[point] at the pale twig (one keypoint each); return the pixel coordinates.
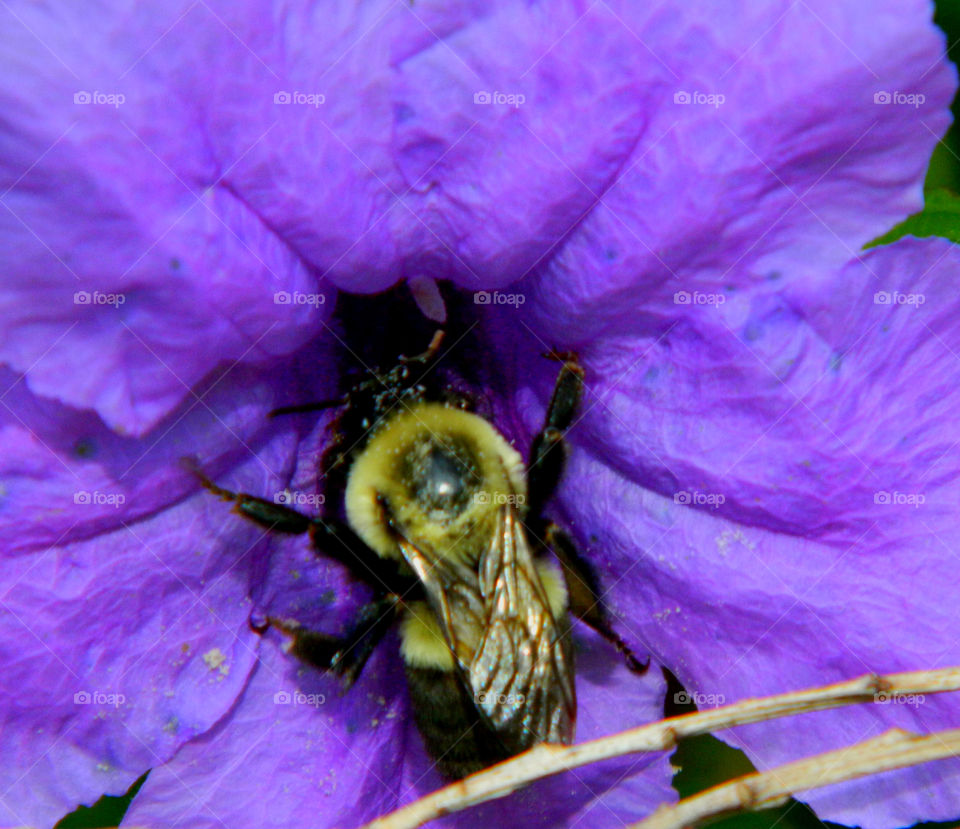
(548, 759)
(763, 790)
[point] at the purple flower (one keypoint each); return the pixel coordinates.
(765, 471)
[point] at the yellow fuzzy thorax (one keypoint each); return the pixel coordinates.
(381, 476)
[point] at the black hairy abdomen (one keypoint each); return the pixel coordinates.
(456, 737)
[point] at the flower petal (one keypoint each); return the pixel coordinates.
(195, 198)
(117, 651)
(133, 267)
(819, 144)
(359, 755)
(122, 591)
(74, 477)
(778, 510)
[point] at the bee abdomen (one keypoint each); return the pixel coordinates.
(455, 736)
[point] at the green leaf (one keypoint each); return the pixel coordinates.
(107, 811)
(940, 217)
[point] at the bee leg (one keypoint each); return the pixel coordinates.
(267, 514)
(584, 594)
(334, 538)
(546, 453)
(343, 655)
(316, 406)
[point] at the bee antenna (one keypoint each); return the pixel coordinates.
(316, 406)
(561, 356)
(431, 351)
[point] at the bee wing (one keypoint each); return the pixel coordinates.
(514, 659)
(453, 592)
(522, 671)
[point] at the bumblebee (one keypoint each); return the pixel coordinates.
(443, 519)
